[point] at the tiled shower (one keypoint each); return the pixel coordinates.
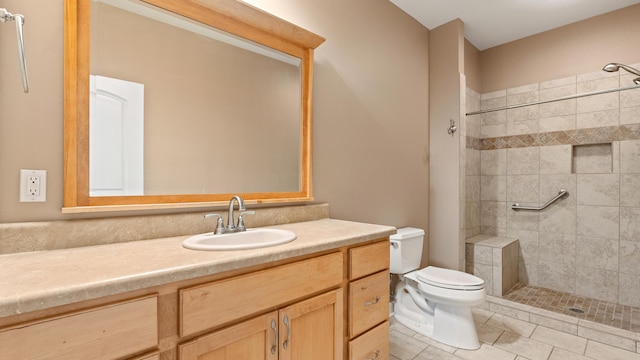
(589, 242)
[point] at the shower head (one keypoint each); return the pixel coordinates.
(613, 67)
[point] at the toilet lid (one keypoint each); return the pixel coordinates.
(449, 279)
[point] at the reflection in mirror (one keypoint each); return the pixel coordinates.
(184, 110)
(116, 137)
(208, 105)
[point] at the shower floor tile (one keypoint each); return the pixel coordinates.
(602, 312)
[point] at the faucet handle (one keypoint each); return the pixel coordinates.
(220, 223)
(241, 226)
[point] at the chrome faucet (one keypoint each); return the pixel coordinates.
(230, 221)
(231, 226)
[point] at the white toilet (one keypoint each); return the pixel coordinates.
(433, 301)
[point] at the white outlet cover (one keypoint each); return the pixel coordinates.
(41, 194)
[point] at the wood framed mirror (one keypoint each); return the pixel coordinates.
(269, 172)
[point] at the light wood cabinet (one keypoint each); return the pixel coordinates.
(107, 332)
(323, 306)
(253, 339)
(368, 302)
(316, 328)
(214, 304)
(368, 259)
(368, 299)
(374, 345)
(310, 330)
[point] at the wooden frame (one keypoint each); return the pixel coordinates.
(233, 16)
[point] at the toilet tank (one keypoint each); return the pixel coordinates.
(406, 250)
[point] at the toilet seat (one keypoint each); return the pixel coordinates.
(448, 279)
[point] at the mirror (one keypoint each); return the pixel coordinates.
(186, 133)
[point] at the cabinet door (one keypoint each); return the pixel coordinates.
(313, 329)
(106, 332)
(253, 339)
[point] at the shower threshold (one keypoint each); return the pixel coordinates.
(607, 313)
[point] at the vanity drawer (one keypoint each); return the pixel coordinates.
(209, 305)
(369, 259)
(107, 332)
(373, 344)
(368, 302)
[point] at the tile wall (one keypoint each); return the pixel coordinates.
(494, 259)
(589, 242)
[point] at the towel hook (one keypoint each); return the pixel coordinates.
(452, 127)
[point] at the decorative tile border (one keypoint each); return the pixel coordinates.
(567, 137)
(474, 143)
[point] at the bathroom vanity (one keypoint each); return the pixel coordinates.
(323, 296)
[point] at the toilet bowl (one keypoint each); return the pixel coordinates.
(433, 301)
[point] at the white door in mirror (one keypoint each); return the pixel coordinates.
(116, 137)
(250, 239)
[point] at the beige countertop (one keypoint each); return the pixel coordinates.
(42, 279)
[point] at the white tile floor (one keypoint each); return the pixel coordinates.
(505, 338)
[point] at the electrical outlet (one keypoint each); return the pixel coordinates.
(33, 185)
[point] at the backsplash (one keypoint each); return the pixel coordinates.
(589, 242)
(51, 235)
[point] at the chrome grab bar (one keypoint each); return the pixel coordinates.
(561, 193)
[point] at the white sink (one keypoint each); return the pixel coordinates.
(249, 239)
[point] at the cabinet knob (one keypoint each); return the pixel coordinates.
(368, 303)
(375, 355)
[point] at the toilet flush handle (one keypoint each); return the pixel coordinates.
(394, 244)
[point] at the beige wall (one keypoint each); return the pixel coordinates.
(577, 48)
(31, 124)
(472, 69)
(370, 112)
(445, 67)
(370, 108)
